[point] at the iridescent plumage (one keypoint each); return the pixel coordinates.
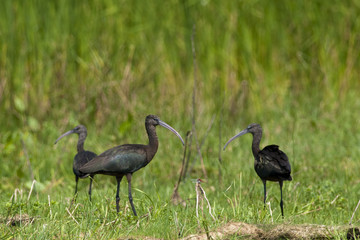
(271, 164)
(126, 159)
(82, 157)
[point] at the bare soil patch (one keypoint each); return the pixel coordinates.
(248, 231)
(18, 220)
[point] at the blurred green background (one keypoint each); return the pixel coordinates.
(292, 66)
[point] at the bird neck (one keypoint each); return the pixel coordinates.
(256, 144)
(153, 141)
(80, 144)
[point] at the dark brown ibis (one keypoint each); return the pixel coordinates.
(271, 164)
(126, 159)
(81, 157)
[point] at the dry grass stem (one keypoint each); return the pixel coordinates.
(71, 216)
(200, 194)
(49, 205)
(175, 197)
(17, 191)
(269, 204)
(31, 189)
(353, 214)
(194, 102)
(209, 206)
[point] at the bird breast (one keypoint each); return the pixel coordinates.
(80, 160)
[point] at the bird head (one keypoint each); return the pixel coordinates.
(155, 121)
(80, 130)
(152, 120)
(252, 128)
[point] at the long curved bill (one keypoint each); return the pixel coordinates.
(236, 136)
(165, 125)
(65, 134)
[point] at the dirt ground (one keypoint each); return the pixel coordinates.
(241, 230)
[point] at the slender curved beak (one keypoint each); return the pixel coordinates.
(65, 134)
(236, 136)
(165, 125)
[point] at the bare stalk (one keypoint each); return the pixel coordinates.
(175, 198)
(194, 102)
(188, 136)
(31, 189)
(49, 205)
(354, 213)
(209, 206)
(269, 204)
(200, 195)
(197, 202)
(188, 157)
(208, 130)
(71, 215)
(220, 149)
(204, 138)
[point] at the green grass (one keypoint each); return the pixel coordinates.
(291, 66)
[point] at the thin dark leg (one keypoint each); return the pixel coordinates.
(76, 185)
(91, 180)
(76, 180)
(281, 201)
(128, 176)
(75, 194)
(118, 179)
(264, 182)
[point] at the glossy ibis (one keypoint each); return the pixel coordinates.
(126, 159)
(271, 164)
(82, 156)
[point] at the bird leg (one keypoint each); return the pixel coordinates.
(118, 179)
(128, 176)
(91, 180)
(75, 194)
(76, 184)
(281, 201)
(264, 182)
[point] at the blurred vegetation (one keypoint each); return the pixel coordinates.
(292, 66)
(103, 61)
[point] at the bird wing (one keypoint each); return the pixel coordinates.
(121, 159)
(274, 155)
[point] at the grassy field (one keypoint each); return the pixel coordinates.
(292, 66)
